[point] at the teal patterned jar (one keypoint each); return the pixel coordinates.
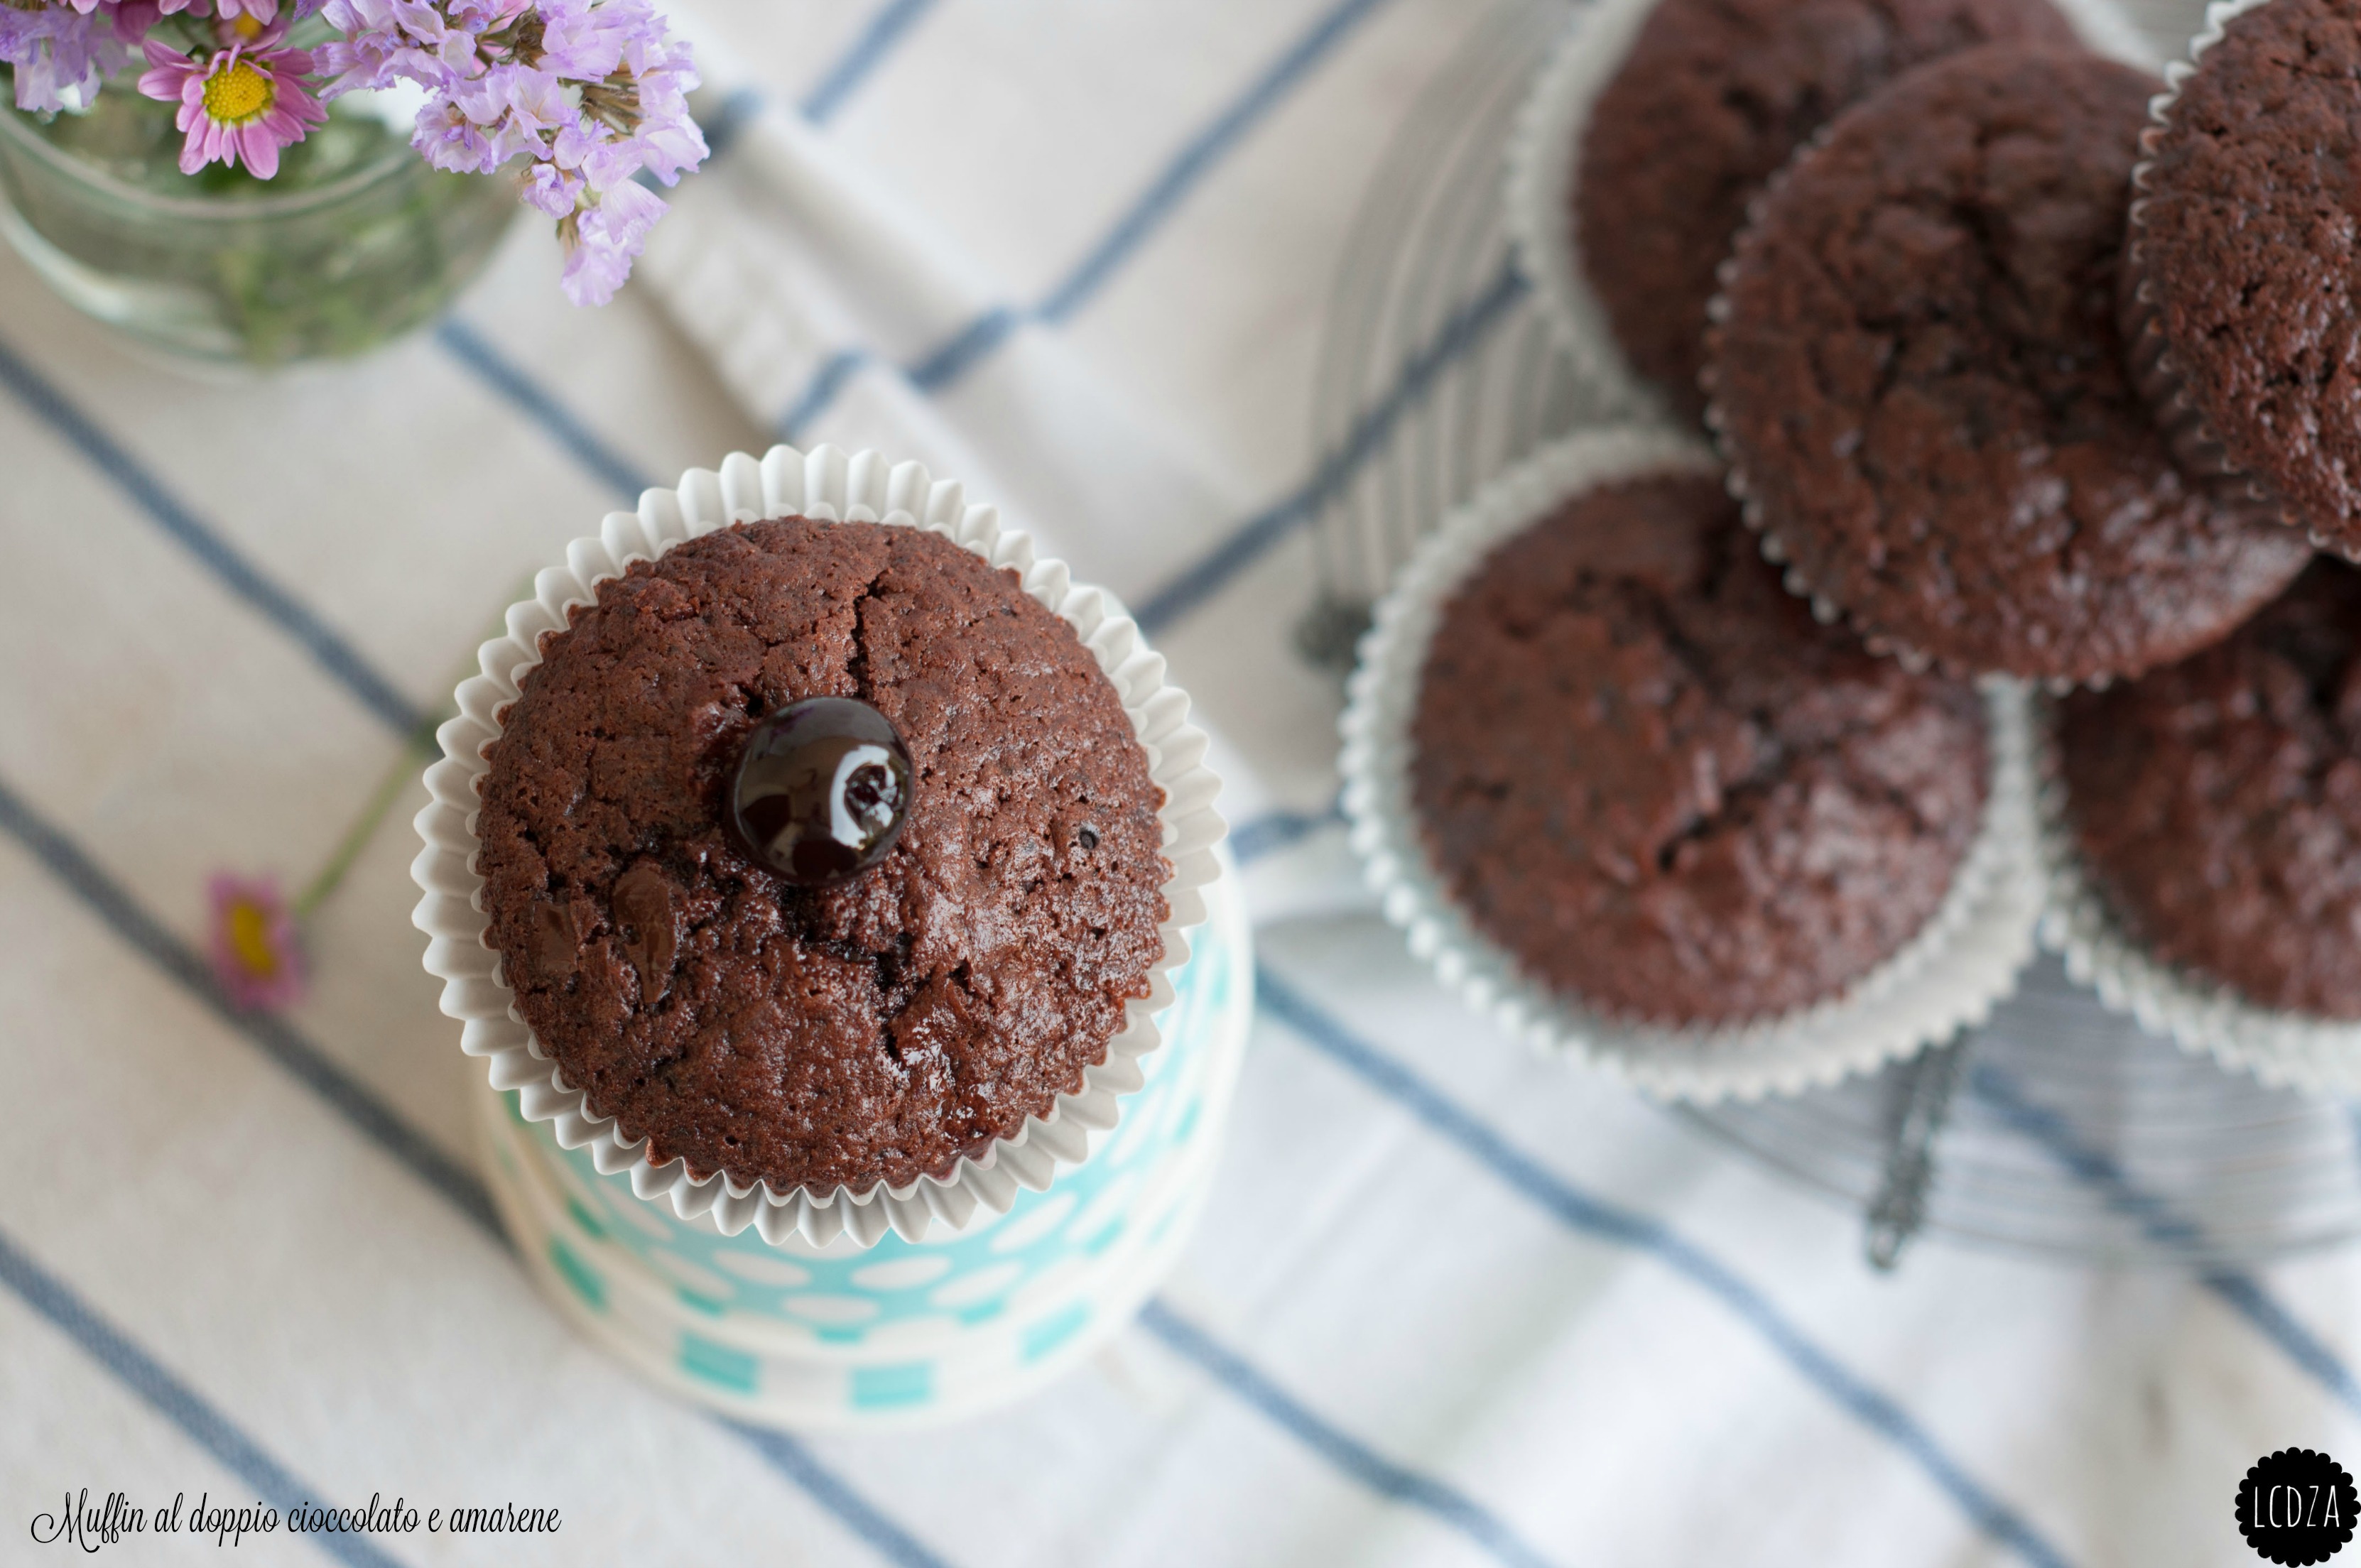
(900, 1331)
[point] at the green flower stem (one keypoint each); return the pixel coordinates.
(396, 778)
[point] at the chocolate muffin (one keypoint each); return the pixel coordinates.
(1713, 98)
(2216, 804)
(1919, 381)
(1642, 769)
(812, 1037)
(2244, 281)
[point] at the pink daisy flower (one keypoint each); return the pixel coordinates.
(253, 946)
(240, 104)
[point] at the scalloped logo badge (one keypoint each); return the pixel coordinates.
(2296, 1506)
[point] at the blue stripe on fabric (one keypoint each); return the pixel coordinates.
(175, 1401)
(825, 384)
(790, 1457)
(1593, 1216)
(1275, 831)
(1197, 157)
(2095, 1168)
(956, 358)
(343, 662)
(556, 420)
(1348, 1454)
(856, 64)
(360, 1106)
(1460, 332)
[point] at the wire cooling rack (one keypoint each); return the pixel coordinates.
(2058, 1129)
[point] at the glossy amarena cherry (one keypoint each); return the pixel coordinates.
(822, 790)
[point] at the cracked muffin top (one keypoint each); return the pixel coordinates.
(801, 1036)
(1644, 769)
(2217, 804)
(1711, 101)
(2247, 253)
(1920, 380)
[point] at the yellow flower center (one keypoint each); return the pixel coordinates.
(239, 94)
(248, 26)
(249, 940)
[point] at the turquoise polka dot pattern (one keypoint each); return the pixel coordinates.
(901, 1331)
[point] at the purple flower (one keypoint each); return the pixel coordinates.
(253, 946)
(589, 149)
(488, 16)
(670, 147)
(591, 93)
(59, 52)
(449, 139)
(579, 41)
(534, 99)
(604, 239)
(134, 17)
(554, 189)
(385, 41)
(240, 104)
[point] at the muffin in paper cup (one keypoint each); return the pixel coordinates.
(2203, 1017)
(1543, 170)
(830, 486)
(2250, 763)
(2160, 375)
(1962, 960)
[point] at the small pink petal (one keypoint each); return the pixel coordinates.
(261, 149)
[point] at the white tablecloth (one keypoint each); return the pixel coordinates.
(1451, 1304)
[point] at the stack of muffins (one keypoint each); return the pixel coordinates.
(832, 888)
(2023, 369)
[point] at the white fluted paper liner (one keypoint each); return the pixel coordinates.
(2202, 1015)
(1545, 166)
(2107, 28)
(831, 485)
(1965, 958)
(1544, 163)
(2195, 444)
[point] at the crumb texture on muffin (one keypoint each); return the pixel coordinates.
(2216, 805)
(874, 1031)
(1713, 98)
(1920, 380)
(2248, 252)
(1640, 767)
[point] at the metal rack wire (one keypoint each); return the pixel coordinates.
(2058, 1129)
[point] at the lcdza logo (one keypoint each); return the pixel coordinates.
(2297, 1507)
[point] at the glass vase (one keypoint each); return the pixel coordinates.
(355, 243)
